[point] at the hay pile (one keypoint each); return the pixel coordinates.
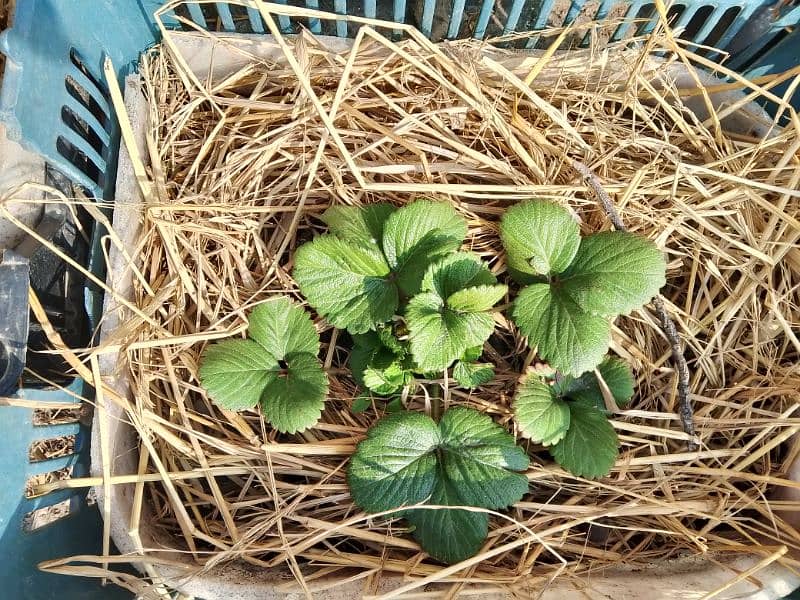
(242, 165)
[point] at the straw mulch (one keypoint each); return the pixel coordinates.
(243, 165)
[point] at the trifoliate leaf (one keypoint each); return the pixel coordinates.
(476, 299)
(396, 464)
(614, 272)
(471, 375)
(363, 224)
(568, 338)
(416, 235)
(540, 414)
(282, 328)
(589, 449)
(448, 535)
(238, 374)
(472, 354)
(347, 283)
(361, 403)
(235, 373)
(456, 272)
(466, 461)
(438, 335)
(293, 401)
(540, 238)
(617, 375)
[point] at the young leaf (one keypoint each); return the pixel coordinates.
(589, 449)
(363, 224)
(235, 373)
(439, 335)
(614, 272)
(540, 238)
(471, 375)
(570, 339)
(476, 299)
(390, 341)
(416, 235)
(468, 460)
(346, 282)
(365, 346)
(472, 354)
(456, 272)
(540, 414)
(617, 375)
(293, 401)
(282, 328)
(396, 464)
(384, 374)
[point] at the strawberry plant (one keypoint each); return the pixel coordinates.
(568, 414)
(574, 288)
(276, 368)
(394, 278)
(466, 460)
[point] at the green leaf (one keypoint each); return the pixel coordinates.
(540, 414)
(448, 535)
(346, 283)
(540, 238)
(396, 464)
(235, 373)
(365, 346)
(568, 338)
(472, 375)
(361, 403)
(384, 374)
(394, 406)
(589, 449)
(468, 460)
(438, 335)
(363, 224)
(282, 328)
(416, 235)
(456, 272)
(390, 341)
(472, 354)
(476, 299)
(293, 400)
(614, 272)
(479, 457)
(617, 375)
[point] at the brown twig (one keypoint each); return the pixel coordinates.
(667, 324)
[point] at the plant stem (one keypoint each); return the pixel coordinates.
(436, 403)
(667, 324)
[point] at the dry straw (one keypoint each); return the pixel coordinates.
(239, 169)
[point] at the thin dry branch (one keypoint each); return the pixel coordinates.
(667, 324)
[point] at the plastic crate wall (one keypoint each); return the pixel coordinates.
(54, 100)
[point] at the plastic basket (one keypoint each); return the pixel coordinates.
(54, 101)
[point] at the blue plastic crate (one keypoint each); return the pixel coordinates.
(54, 101)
